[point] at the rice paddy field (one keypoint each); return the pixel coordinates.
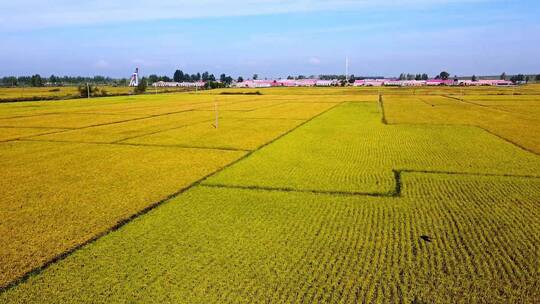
(8, 94)
(297, 195)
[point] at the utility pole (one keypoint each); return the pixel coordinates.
(88, 90)
(217, 114)
(347, 69)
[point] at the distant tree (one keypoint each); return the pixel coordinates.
(98, 79)
(503, 76)
(178, 76)
(86, 90)
(418, 77)
(36, 81)
(153, 78)
(537, 77)
(213, 85)
(255, 76)
(517, 78)
(402, 76)
(141, 87)
(290, 77)
(9, 81)
(24, 80)
(228, 80)
(53, 79)
(211, 77)
(222, 78)
(474, 78)
(205, 76)
(240, 79)
(527, 79)
(444, 75)
(425, 76)
(351, 78)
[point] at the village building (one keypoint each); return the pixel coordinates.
(179, 84)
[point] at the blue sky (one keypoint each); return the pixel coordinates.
(269, 37)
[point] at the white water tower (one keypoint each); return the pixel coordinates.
(134, 78)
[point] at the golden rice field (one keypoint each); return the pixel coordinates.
(68, 92)
(300, 195)
(515, 118)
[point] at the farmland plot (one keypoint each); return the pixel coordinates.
(510, 122)
(289, 110)
(117, 132)
(230, 133)
(350, 150)
(528, 105)
(240, 246)
(75, 167)
(63, 120)
(329, 205)
(45, 93)
(58, 195)
(10, 133)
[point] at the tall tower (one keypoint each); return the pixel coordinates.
(347, 68)
(134, 78)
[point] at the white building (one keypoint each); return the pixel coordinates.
(254, 84)
(369, 83)
(326, 83)
(179, 84)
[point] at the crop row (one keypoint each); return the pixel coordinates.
(516, 123)
(58, 195)
(230, 245)
(349, 149)
(115, 157)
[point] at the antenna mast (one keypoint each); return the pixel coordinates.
(347, 68)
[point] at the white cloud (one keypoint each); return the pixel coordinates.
(44, 14)
(101, 64)
(314, 60)
(145, 63)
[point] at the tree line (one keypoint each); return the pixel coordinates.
(39, 81)
(445, 76)
(180, 76)
(224, 80)
(424, 76)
